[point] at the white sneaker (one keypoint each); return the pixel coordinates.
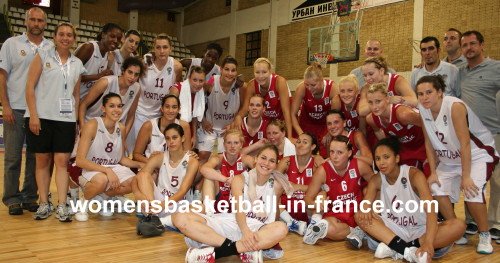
(462, 241)
(200, 255)
(298, 227)
(315, 231)
(106, 208)
(384, 251)
(411, 255)
(252, 257)
(484, 246)
(356, 237)
(83, 215)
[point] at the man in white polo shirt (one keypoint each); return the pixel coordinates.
(15, 58)
(429, 50)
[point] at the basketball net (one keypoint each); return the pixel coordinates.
(322, 58)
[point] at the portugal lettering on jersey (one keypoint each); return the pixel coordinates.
(351, 116)
(106, 148)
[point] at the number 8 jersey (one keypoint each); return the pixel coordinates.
(106, 148)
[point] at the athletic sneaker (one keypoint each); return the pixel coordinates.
(356, 237)
(297, 226)
(252, 257)
(411, 255)
(484, 246)
(439, 253)
(62, 213)
(83, 215)
(150, 226)
(471, 228)
(462, 241)
(200, 255)
(275, 252)
(495, 233)
(315, 231)
(44, 211)
(71, 199)
(52, 207)
(106, 207)
(384, 251)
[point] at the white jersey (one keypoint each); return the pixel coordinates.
(155, 85)
(117, 65)
(128, 98)
(170, 178)
(443, 136)
(264, 193)
(222, 107)
(197, 62)
(106, 148)
(401, 222)
(157, 141)
(94, 65)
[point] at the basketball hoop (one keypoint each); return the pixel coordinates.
(323, 58)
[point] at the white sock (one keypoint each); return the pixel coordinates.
(285, 216)
(167, 221)
(73, 192)
(316, 218)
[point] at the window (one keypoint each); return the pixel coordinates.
(252, 47)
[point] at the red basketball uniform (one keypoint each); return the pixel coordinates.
(271, 100)
(410, 138)
(261, 132)
(351, 116)
(343, 187)
(391, 85)
(228, 170)
(296, 209)
(325, 153)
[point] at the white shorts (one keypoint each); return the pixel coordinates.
(124, 173)
(450, 177)
(408, 234)
(225, 225)
(206, 141)
(134, 131)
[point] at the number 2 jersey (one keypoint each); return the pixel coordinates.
(106, 148)
(272, 105)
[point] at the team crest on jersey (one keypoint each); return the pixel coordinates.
(325, 188)
(397, 126)
(327, 100)
(47, 65)
(185, 164)
(271, 94)
(23, 53)
(352, 173)
(260, 135)
(445, 120)
(239, 166)
(131, 94)
(354, 114)
(392, 133)
(309, 172)
(390, 93)
(271, 182)
(169, 70)
(404, 181)
(118, 131)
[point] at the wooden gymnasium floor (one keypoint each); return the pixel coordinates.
(114, 240)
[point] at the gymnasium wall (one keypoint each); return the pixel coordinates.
(247, 71)
(483, 16)
(205, 9)
(247, 4)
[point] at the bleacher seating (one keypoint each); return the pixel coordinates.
(87, 31)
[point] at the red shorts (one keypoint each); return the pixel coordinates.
(347, 218)
(297, 210)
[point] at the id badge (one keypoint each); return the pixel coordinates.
(65, 107)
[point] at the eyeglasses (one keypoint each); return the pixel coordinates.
(424, 49)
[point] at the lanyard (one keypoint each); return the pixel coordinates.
(64, 72)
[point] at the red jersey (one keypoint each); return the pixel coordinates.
(261, 132)
(391, 85)
(271, 100)
(297, 177)
(351, 116)
(326, 153)
(410, 136)
(343, 187)
(228, 170)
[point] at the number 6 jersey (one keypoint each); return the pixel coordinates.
(106, 148)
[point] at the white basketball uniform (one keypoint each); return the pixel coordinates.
(225, 224)
(444, 140)
(157, 141)
(154, 86)
(222, 108)
(408, 226)
(94, 65)
(170, 178)
(106, 150)
(128, 98)
(197, 62)
(118, 63)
